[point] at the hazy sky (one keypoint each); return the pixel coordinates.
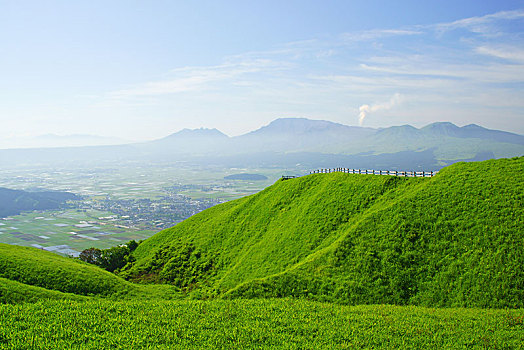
(144, 69)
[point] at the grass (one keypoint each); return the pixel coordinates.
(451, 240)
(279, 324)
(13, 292)
(51, 271)
(316, 243)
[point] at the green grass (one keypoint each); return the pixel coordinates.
(315, 243)
(451, 240)
(279, 324)
(29, 274)
(52, 271)
(13, 292)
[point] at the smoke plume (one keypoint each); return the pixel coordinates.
(364, 110)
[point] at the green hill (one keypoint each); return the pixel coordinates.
(51, 271)
(451, 240)
(30, 274)
(14, 292)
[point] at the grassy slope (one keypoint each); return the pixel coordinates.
(29, 274)
(453, 240)
(282, 323)
(13, 292)
(267, 232)
(51, 271)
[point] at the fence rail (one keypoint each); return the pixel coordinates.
(376, 172)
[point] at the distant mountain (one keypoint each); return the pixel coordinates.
(445, 129)
(13, 202)
(202, 133)
(188, 141)
(304, 126)
(471, 131)
(299, 142)
(397, 134)
(299, 134)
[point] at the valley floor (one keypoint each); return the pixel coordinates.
(258, 323)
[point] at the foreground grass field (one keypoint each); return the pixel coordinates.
(258, 323)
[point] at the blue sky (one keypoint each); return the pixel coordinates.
(144, 69)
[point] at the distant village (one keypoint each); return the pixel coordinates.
(146, 213)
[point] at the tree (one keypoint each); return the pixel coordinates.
(114, 258)
(91, 255)
(132, 245)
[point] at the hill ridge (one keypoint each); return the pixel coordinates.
(317, 254)
(270, 244)
(453, 240)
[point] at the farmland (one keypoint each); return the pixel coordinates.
(69, 231)
(131, 202)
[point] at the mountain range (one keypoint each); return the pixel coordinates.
(292, 142)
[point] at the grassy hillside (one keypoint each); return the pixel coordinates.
(254, 324)
(30, 274)
(13, 292)
(51, 271)
(261, 234)
(452, 240)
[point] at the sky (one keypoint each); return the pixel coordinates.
(140, 70)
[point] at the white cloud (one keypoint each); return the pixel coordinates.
(195, 78)
(481, 24)
(506, 52)
(377, 34)
(486, 73)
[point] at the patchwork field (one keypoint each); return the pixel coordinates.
(68, 232)
(133, 201)
(136, 181)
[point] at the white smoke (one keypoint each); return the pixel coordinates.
(364, 110)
